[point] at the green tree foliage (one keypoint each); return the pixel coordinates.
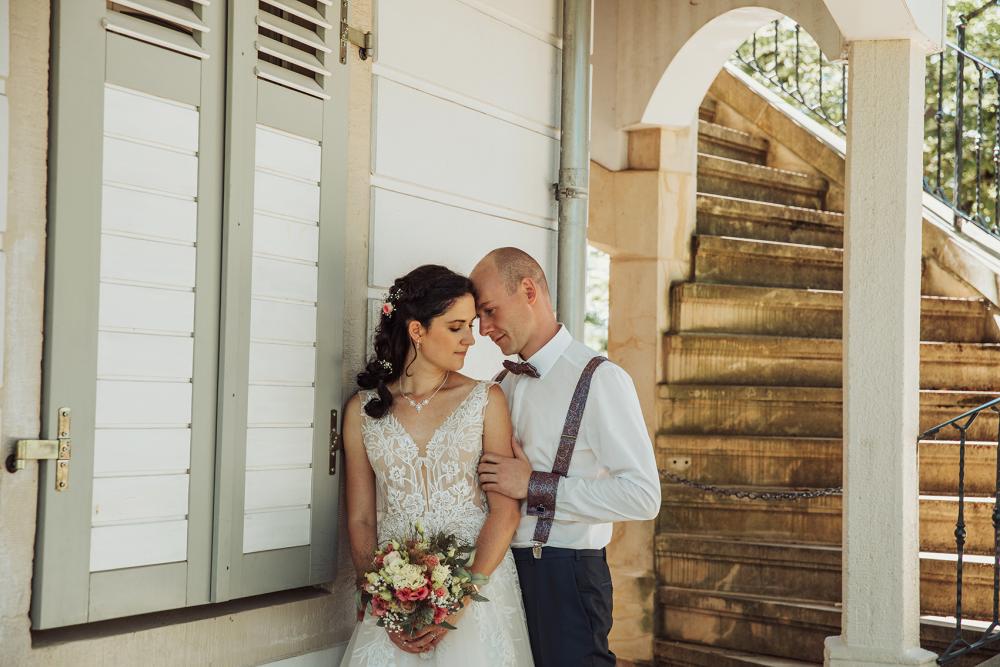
(595, 324)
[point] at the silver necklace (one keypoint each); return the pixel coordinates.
(419, 405)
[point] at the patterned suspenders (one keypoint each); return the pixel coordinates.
(542, 488)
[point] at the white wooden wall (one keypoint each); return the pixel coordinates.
(466, 116)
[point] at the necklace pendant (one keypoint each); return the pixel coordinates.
(418, 407)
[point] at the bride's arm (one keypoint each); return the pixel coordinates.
(361, 526)
(505, 513)
(501, 522)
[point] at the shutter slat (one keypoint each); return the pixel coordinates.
(290, 54)
(166, 11)
(153, 34)
(294, 80)
(292, 31)
(302, 10)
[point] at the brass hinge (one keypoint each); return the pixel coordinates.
(335, 440)
(59, 450)
(350, 35)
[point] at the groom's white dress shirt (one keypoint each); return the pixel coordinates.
(612, 475)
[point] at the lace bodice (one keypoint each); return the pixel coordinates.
(438, 486)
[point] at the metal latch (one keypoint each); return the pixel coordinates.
(348, 35)
(335, 440)
(41, 450)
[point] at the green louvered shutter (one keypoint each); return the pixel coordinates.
(131, 332)
(283, 297)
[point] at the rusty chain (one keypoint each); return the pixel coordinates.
(750, 495)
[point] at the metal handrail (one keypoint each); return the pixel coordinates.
(959, 645)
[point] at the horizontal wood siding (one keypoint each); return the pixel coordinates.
(465, 146)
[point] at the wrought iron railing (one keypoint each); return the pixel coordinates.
(787, 58)
(959, 645)
(962, 118)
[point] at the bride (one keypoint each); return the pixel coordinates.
(413, 438)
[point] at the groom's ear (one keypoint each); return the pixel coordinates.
(530, 290)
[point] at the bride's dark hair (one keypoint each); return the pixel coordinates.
(422, 294)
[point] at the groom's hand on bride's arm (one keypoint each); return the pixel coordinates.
(505, 474)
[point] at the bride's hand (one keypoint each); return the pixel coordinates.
(405, 642)
(437, 633)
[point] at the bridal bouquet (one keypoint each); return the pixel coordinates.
(419, 581)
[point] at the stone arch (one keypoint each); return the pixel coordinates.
(696, 63)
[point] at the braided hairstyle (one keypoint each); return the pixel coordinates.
(422, 294)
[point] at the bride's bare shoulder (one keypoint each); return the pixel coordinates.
(458, 380)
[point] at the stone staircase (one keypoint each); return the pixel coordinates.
(751, 399)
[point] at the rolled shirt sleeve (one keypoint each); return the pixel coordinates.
(616, 432)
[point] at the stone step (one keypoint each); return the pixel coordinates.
(937, 585)
(786, 462)
(809, 572)
(752, 460)
(766, 629)
(938, 516)
(815, 521)
(707, 110)
(735, 178)
(795, 411)
(746, 218)
(735, 261)
(812, 520)
(813, 362)
(679, 654)
(722, 141)
(786, 571)
(758, 625)
(939, 461)
(742, 309)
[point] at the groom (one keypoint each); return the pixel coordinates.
(573, 493)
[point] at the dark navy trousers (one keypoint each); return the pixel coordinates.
(567, 603)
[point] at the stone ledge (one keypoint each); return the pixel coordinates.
(730, 260)
(811, 313)
(795, 411)
(693, 358)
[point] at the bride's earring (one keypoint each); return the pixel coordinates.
(418, 346)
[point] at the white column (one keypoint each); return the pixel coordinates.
(881, 622)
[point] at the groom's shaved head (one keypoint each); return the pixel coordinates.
(514, 265)
(513, 301)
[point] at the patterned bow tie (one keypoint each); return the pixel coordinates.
(521, 368)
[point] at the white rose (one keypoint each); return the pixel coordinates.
(440, 575)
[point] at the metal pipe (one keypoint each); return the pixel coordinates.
(574, 166)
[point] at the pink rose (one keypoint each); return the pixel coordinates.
(440, 613)
(431, 561)
(379, 606)
(412, 594)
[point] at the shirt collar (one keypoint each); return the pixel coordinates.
(545, 358)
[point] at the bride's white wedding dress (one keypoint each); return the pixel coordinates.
(439, 486)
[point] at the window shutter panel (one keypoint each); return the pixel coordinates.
(131, 339)
(283, 298)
